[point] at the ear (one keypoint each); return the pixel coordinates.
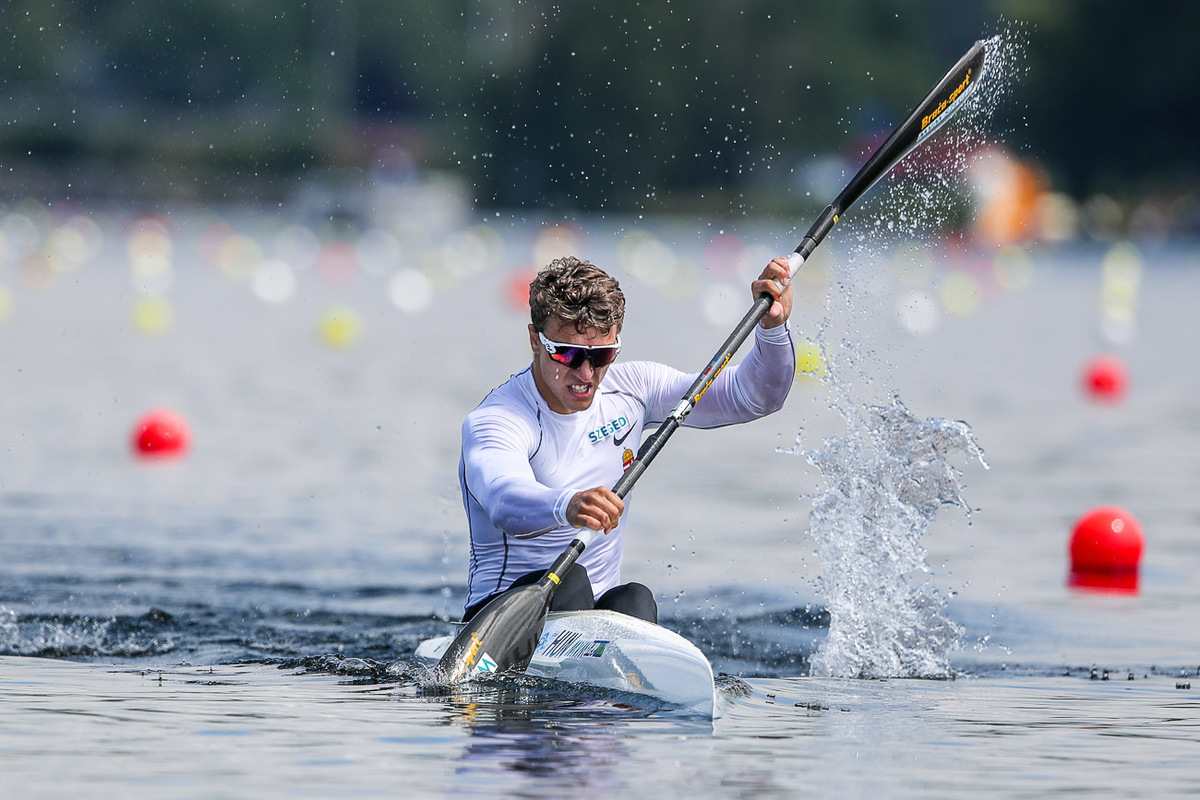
(534, 344)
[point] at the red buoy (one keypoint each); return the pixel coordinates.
(161, 433)
(1105, 379)
(1107, 582)
(1106, 540)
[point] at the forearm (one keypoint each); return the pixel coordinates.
(766, 375)
(757, 386)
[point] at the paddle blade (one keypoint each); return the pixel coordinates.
(938, 106)
(500, 638)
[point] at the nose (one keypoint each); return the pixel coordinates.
(586, 370)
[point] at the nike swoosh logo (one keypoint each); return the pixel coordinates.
(618, 441)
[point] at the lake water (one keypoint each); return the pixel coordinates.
(241, 622)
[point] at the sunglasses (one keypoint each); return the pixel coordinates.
(573, 355)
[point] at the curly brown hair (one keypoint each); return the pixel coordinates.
(578, 292)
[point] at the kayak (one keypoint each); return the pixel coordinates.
(616, 651)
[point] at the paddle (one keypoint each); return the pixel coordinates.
(504, 634)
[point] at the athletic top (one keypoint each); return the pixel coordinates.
(522, 463)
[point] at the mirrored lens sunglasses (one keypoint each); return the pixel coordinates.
(573, 355)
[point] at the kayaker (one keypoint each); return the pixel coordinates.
(542, 451)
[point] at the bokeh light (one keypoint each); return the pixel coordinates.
(273, 281)
(558, 240)
(647, 258)
(234, 254)
(337, 262)
(959, 293)
(411, 291)
(1120, 282)
(1012, 269)
(153, 314)
(723, 255)
(340, 326)
(918, 313)
(151, 252)
(37, 271)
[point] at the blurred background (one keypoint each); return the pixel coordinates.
(729, 108)
(309, 227)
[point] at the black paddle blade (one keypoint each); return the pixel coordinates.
(500, 638)
(938, 106)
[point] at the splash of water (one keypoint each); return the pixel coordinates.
(928, 191)
(891, 472)
(887, 478)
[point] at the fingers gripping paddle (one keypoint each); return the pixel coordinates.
(504, 634)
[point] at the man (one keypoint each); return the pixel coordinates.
(541, 452)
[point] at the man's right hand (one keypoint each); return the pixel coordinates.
(599, 509)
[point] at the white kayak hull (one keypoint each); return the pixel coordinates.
(616, 651)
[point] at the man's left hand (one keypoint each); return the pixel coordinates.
(775, 280)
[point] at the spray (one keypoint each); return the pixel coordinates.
(887, 476)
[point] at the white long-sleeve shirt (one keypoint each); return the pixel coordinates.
(522, 463)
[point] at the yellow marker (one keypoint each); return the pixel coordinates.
(554, 578)
(153, 314)
(810, 361)
(341, 326)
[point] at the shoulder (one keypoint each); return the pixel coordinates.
(644, 387)
(512, 403)
(514, 392)
(639, 376)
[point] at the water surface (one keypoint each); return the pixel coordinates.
(242, 622)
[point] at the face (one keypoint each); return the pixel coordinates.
(567, 390)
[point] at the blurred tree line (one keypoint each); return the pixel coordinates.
(625, 104)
